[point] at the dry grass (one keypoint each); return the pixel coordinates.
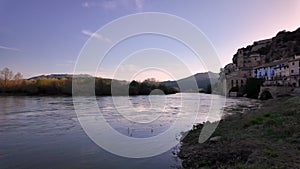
(268, 137)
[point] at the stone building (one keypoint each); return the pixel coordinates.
(284, 72)
(244, 60)
(274, 73)
(250, 62)
(294, 72)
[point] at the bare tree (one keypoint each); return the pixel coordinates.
(18, 76)
(6, 74)
(18, 79)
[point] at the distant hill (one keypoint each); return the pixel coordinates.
(202, 80)
(57, 76)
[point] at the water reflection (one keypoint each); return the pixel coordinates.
(43, 132)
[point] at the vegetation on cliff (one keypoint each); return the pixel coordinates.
(284, 45)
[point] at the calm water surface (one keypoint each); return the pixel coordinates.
(44, 132)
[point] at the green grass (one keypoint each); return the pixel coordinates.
(268, 138)
(257, 166)
(270, 153)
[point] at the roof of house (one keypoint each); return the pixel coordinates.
(274, 63)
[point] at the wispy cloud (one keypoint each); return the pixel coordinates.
(138, 5)
(85, 4)
(109, 5)
(95, 35)
(9, 48)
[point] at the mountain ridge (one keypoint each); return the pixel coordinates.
(203, 80)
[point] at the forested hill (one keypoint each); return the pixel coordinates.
(203, 80)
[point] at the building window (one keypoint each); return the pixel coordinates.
(293, 63)
(292, 71)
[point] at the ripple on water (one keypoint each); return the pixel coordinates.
(38, 132)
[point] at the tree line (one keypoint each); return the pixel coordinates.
(14, 84)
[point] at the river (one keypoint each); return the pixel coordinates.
(44, 132)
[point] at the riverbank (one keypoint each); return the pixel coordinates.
(268, 137)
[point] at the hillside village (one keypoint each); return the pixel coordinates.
(275, 61)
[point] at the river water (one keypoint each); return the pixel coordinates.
(44, 132)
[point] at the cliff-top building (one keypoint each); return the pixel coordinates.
(275, 60)
(244, 60)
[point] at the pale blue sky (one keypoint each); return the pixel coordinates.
(46, 36)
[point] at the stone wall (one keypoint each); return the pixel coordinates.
(275, 91)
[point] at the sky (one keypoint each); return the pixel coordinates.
(46, 36)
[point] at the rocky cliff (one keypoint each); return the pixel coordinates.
(284, 45)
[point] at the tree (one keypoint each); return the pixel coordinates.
(134, 88)
(18, 79)
(208, 89)
(18, 76)
(6, 75)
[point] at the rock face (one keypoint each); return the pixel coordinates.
(283, 45)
